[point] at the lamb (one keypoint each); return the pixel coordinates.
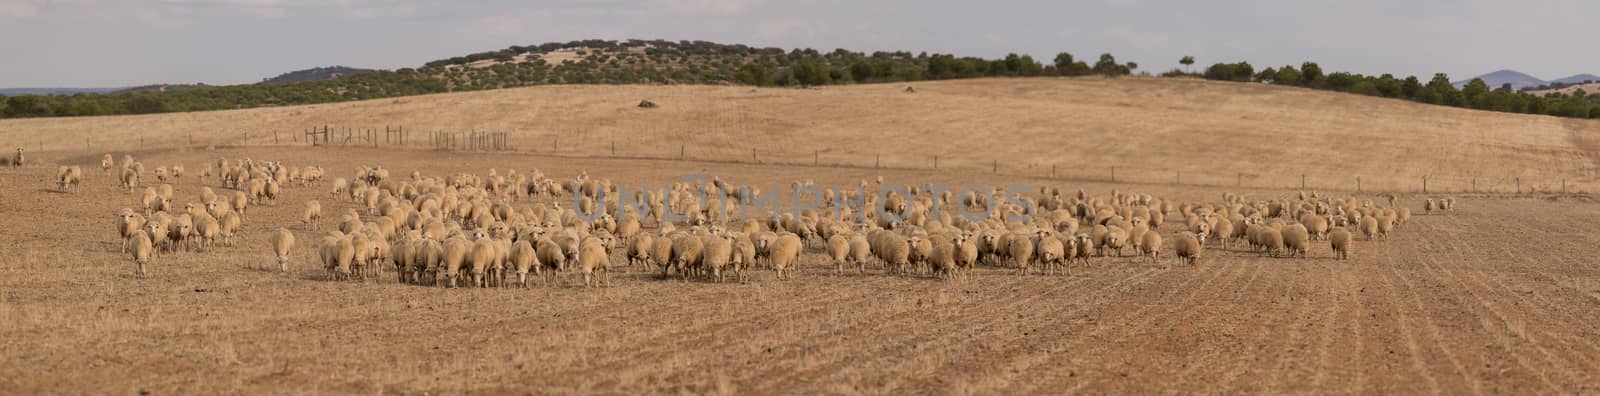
(1188, 247)
(839, 252)
(1340, 239)
(1297, 239)
(313, 214)
(143, 249)
(785, 252)
(68, 177)
(1151, 246)
(282, 241)
(592, 258)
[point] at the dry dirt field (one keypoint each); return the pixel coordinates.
(1499, 296)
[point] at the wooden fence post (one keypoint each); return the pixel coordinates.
(996, 167)
(1113, 174)
(1358, 184)
(1424, 184)
(1519, 184)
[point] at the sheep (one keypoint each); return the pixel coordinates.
(1402, 216)
(1369, 227)
(1340, 240)
(1317, 226)
(639, 249)
(966, 253)
(207, 228)
(161, 174)
(785, 251)
(156, 230)
(180, 231)
(1050, 252)
(1020, 249)
(282, 241)
(1427, 206)
(524, 259)
(143, 249)
(838, 251)
(128, 225)
(228, 226)
(1187, 247)
(661, 253)
(718, 251)
(336, 254)
(177, 171)
(129, 179)
(106, 163)
(550, 257)
(686, 254)
(592, 258)
(480, 259)
(1084, 247)
(68, 177)
(1151, 246)
(1297, 239)
(943, 259)
(239, 202)
(860, 252)
(313, 214)
(744, 254)
(1114, 239)
(455, 254)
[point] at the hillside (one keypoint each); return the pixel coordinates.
(315, 74)
(1150, 128)
(1588, 89)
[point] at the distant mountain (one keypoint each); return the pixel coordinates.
(53, 91)
(1577, 79)
(315, 74)
(1517, 79)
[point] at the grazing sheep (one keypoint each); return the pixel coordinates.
(455, 254)
(592, 258)
(480, 259)
(1340, 239)
(143, 249)
(860, 252)
(1187, 247)
(785, 252)
(1151, 246)
(1296, 239)
(282, 241)
(313, 214)
(524, 259)
(337, 252)
(839, 252)
(551, 257)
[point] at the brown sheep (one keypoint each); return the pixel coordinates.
(1340, 240)
(1188, 248)
(1151, 247)
(282, 241)
(785, 252)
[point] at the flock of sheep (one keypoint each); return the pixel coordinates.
(503, 229)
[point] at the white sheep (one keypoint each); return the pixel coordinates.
(143, 250)
(592, 258)
(1151, 247)
(1187, 247)
(313, 214)
(1340, 240)
(282, 242)
(67, 178)
(785, 252)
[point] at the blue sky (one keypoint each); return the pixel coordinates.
(101, 43)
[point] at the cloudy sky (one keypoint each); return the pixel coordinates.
(104, 43)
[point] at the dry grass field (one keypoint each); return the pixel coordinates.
(1498, 296)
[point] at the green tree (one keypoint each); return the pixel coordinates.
(1107, 66)
(1287, 75)
(1063, 63)
(1310, 74)
(808, 73)
(1186, 61)
(754, 74)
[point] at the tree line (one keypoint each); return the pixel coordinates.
(1437, 90)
